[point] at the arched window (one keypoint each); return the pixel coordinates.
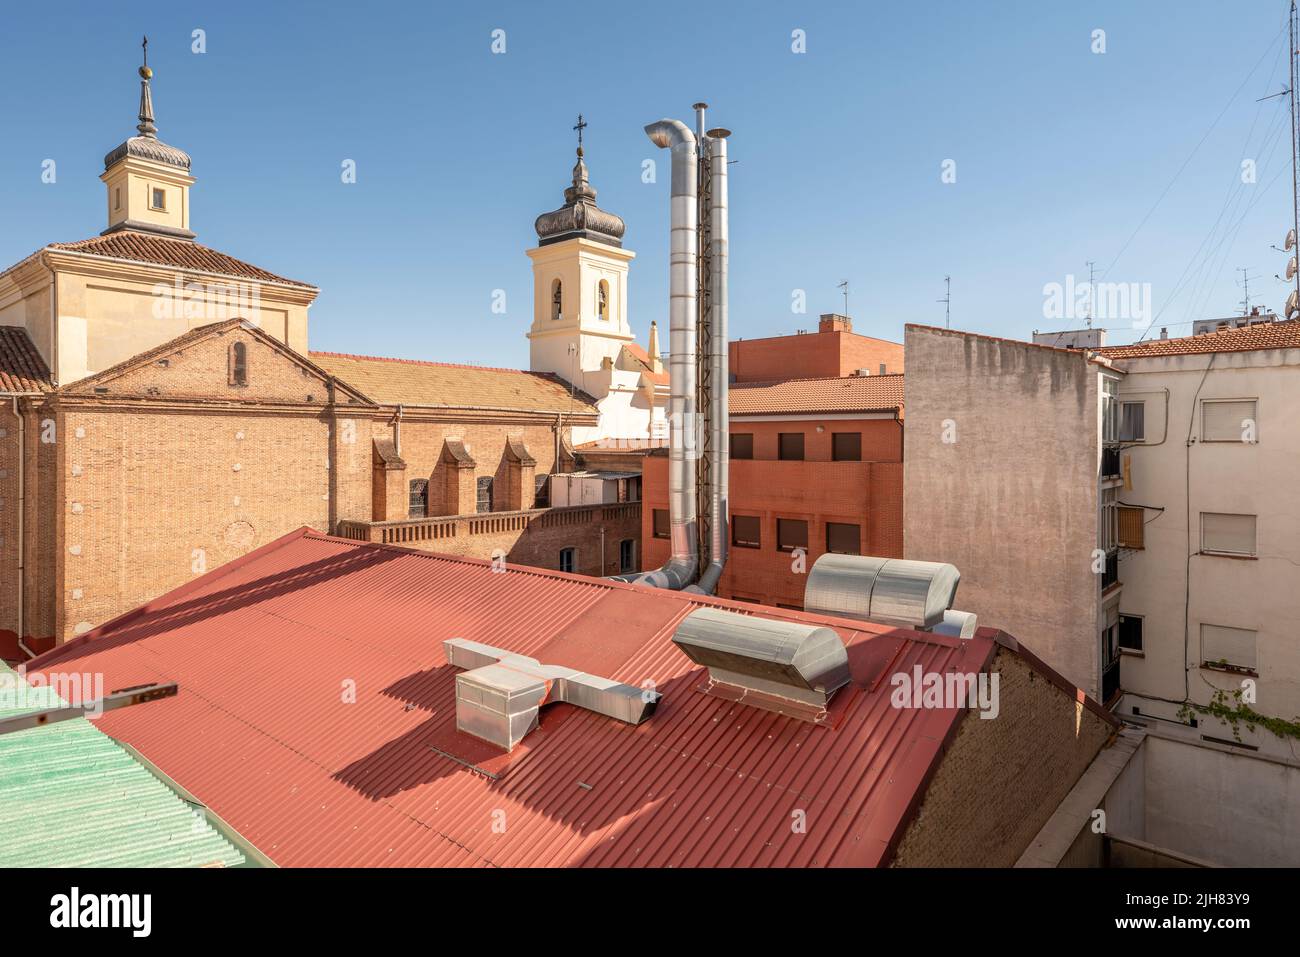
(557, 298)
(602, 300)
(238, 364)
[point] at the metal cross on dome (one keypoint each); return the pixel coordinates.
(580, 126)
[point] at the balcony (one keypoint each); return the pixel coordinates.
(1110, 574)
(412, 531)
(1110, 463)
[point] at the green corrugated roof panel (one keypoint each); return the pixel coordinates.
(70, 796)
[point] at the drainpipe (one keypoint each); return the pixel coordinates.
(396, 423)
(22, 516)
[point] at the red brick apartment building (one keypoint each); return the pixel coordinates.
(833, 350)
(816, 464)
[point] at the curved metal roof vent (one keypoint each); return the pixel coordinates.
(890, 591)
(781, 666)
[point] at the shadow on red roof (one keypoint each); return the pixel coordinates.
(316, 715)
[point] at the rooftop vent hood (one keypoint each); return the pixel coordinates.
(889, 591)
(781, 666)
(498, 698)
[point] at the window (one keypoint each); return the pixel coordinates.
(742, 445)
(745, 531)
(843, 539)
(602, 300)
(660, 519)
(117, 197)
(485, 494)
(1132, 421)
(1225, 647)
(418, 505)
(542, 491)
(1109, 410)
(790, 446)
(158, 198)
(1130, 524)
(557, 298)
(238, 363)
(1130, 632)
(1232, 420)
(1227, 534)
(627, 555)
(568, 559)
(1109, 531)
(791, 533)
(882, 368)
(846, 446)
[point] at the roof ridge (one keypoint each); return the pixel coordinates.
(428, 362)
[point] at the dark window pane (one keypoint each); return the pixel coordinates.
(791, 446)
(843, 539)
(485, 495)
(418, 504)
(568, 559)
(742, 445)
(846, 446)
(661, 523)
(791, 533)
(745, 531)
(627, 555)
(1130, 632)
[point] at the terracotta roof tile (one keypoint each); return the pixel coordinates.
(177, 253)
(413, 382)
(874, 393)
(21, 367)
(1266, 335)
(643, 358)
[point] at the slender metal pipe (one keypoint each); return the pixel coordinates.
(682, 568)
(719, 410)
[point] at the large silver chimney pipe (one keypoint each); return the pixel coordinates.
(698, 407)
(719, 409)
(682, 567)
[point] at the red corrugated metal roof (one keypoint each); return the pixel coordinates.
(266, 648)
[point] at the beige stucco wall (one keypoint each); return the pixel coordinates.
(108, 311)
(1261, 594)
(1013, 501)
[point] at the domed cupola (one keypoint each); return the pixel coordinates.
(580, 216)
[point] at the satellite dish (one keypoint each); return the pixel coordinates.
(1290, 240)
(1291, 268)
(1292, 304)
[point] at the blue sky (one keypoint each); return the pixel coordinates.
(1061, 153)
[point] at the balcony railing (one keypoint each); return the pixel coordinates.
(1110, 574)
(1110, 465)
(413, 530)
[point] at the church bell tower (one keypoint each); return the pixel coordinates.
(579, 284)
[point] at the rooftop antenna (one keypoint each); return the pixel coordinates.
(1293, 28)
(947, 302)
(845, 286)
(1092, 291)
(1245, 285)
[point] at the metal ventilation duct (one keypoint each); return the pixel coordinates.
(498, 698)
(778, 665)
(891, 591)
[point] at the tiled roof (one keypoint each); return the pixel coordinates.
(21, 367)
(72, 797)
(176, 253)
(643, 359)
(412, 382)
(313, 775)
(1264, 335)
(871, 393)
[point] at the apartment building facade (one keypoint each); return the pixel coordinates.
(816, 467)
(1205, 440)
